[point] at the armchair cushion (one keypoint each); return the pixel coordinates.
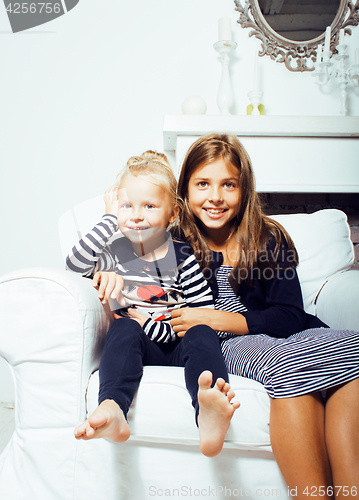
(162, 395)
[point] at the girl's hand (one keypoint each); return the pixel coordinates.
(111, 198)
(109, 285)
(186, 317)
(139, 317)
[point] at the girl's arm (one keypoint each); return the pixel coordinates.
(275, 305)
(275, 302)
(185, 318)
(109, 285)
(196, 290)
(197, 295)
(158, 331)
(279, 312)
(90, 253)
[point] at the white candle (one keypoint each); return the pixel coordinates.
(255, 79)
(327, 39)
(341, 37)
(356, 56)
(224, 29)
(319, 54)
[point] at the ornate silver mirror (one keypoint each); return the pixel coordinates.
(291, 30)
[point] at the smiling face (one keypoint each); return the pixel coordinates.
(214, 195)
(145, 212)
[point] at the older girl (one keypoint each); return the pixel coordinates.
(265, 333)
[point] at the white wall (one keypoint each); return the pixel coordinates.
(81, 94)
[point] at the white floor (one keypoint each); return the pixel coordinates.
(7, 423)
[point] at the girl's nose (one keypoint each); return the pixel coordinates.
(215, 195)
(136, 215)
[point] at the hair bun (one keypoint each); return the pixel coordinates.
(134, 160)
(157, 157)
(149, 156)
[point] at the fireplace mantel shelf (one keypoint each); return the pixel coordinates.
(288, 153)
(258, 126)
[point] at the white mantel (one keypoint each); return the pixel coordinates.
(289, 153)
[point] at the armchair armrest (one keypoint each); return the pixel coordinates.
(338, 301)
(52, 329)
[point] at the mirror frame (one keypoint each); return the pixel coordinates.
(294, 54)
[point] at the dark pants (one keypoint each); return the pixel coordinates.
(128, 349)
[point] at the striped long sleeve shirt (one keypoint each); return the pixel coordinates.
(155, 288)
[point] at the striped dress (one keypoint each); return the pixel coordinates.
(308, 361)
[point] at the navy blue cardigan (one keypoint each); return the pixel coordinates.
(274, 299)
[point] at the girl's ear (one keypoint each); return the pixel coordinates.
(174, 215)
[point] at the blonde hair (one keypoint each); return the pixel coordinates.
(155, 168)
(250, 224)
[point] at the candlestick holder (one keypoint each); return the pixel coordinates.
(344, 75)
(255, 97)
(225, 93)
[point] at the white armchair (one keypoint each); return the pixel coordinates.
(52, 328)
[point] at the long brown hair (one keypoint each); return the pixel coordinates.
(251, 224)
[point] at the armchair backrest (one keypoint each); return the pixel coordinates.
(78, 221)
(322, 240)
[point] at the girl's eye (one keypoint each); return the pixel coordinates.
(202, 184)
(149, 206)
(229, 185)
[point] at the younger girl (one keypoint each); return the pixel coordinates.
(265, 333)
(158, 274)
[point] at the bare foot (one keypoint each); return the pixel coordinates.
(215, 413)
(107, 421)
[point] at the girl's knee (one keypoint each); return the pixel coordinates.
(125, 327)
(201, 334)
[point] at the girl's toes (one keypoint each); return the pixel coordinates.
(205, 380)
(90, 432)
(236, 405)
(226, 388)
(220, 384)
(230, 395)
